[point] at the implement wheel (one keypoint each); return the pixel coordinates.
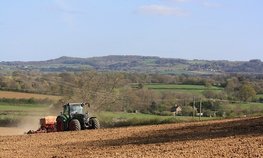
(74, 125)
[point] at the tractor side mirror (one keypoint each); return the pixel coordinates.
(88, 104)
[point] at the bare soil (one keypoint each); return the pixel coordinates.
(9, 131)
(224, 138)
(21, 95)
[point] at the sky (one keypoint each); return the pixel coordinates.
(188, 29)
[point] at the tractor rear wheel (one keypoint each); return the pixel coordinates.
(74, 125)
(60, 125)
(94, 123)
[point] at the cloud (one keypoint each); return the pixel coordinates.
(206, 3)
(162, 10)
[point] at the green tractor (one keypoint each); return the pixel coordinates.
(73, 118)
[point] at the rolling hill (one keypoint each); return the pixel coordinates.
(141, 64)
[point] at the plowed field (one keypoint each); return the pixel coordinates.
(21, 95)
(225, 138)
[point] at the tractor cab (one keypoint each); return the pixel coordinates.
(73, 108)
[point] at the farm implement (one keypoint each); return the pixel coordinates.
(47, 124)
(73, 118)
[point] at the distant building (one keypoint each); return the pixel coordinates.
(176, 109)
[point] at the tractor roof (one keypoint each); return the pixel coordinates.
(74, 104)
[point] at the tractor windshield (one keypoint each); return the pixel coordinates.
(76, 109)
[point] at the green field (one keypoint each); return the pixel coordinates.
(259, 96)
(179, 87)
(11, 114)
(22, 107)
(243, 109)
(187, 89)
(118, 119)
(244, 106)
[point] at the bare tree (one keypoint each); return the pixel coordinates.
(98, 89)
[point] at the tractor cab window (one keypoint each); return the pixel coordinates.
(66, 109)
(76, 109)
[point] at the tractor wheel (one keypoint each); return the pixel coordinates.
(74, 125)
(94, 123)
(60, 125)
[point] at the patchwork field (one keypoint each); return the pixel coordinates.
(17, 106)
(224, 138)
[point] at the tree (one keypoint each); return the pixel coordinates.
(140, 86)
(188, 110)
(98, 89)
(232, 87)
(247, 92)
(210, 94)
(153, 107)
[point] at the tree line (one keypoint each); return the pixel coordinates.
(112, 91)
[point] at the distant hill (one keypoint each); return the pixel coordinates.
(141, 64)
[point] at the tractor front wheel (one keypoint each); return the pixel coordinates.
(74, 125)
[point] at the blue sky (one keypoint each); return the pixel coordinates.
(188, 29)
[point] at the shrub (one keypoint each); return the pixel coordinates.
(187, 111)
